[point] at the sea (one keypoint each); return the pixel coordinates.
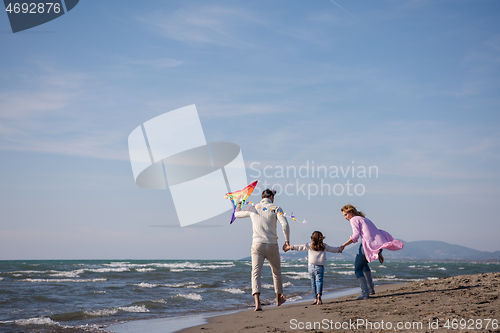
(92, 295)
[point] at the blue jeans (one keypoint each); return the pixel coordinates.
(316, 273)
(361, 264)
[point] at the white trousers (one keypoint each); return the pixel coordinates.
(261, 251)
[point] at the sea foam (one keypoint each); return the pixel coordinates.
(102, 313)
(36, 321)
(134, 308)
(63, 280)
(144, 270)
(192, 296)
(297, 275)
(233, 290)
(146, 285)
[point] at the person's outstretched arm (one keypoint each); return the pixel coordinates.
(243, 213)
(302, 247)
(333, 249)
(349, 242)
(284, 225)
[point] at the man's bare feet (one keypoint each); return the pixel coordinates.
(315, 302)
(258, 309)
(281, 300)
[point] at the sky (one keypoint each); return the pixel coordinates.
(406, 89)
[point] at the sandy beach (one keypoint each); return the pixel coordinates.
(466, 303)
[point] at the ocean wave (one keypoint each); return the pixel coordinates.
(45, 321)
(144, 270)
(287, 284)
(186, 265)
(194, 286)
(89, 328)
(418, 266)
(29, 272)
(162, 301)
(123, 266)
(187, 270)
(293, 299)
(344, 272)
(99, 292)
(36, 321)
(109, 270)
(146, 285)
(333, 264)
(191, 296)
(134, 308)
(233, 290)
(267, 285)
(69, 274)
(179, 285)
(64, 280)
(1, 278)
(393, 278)
(216, 266)
(297, 275)
(224, 263)
(284, 264)
(102, 313)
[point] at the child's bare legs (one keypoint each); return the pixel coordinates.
(257, 302)
(280, 299)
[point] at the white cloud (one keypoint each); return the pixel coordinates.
(201, 24)
(45, 116)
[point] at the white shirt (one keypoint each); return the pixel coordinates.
(316, 257)
(264, 216)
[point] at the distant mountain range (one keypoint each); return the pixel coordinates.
(427, 250)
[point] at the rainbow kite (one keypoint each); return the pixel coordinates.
(240, 196)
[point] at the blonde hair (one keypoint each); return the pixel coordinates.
(317, 241)
(350, 208)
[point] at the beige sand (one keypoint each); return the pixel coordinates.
(467, 303)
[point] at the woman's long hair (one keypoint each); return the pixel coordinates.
(317, 241)
(350, 208)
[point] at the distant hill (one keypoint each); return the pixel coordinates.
(429, 250)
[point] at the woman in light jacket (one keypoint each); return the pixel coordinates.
(373, 241)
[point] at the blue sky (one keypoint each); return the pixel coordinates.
(411, 87)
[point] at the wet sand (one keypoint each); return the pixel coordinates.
(466, 303)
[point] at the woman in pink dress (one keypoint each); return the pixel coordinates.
(373, 241)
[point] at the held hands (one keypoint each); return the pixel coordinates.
(381, 258)
(341, 247)
(286, 247)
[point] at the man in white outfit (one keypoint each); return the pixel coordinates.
(265, 243)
